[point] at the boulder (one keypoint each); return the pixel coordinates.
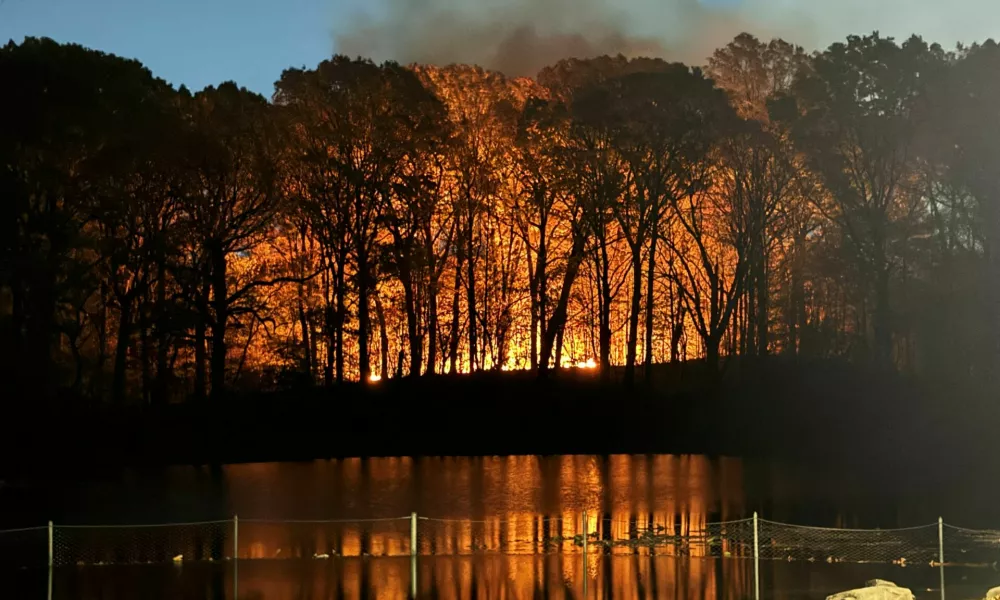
(877, 589)
(993, 594)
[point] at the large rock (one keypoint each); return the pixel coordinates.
(993, 594)
(877, 589)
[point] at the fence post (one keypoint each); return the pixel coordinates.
(413, 534)
(51, 561)
(236, 557)
(413, 555)
(586, 535)
(756, 559)
(941, 552)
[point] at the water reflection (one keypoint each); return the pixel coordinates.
(510, 505)
(552, 576)
(480, 577)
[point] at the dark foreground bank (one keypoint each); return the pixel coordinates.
(811, 411)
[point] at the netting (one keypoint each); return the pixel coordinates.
(914, 545)
(514, 535)
(138, 544)
(273, 539)
(971, 547)
(26, 547)
(530, 534)
(640, 535)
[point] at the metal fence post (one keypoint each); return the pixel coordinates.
(413, 555)
(586, 535)
(941, 552)
(236, 557)
(413, 534)
(756, 559)
(51, 561)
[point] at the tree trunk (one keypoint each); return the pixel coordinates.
(763, 307)
(797, 296)
(539, 290)
(200, 356)
(341, 293)
(331, 344)
(533, 325)
(145, 354)
(556, 324)
(650, 278)
(329, 327)
(470, 287)
(161, 391)
(882, 320)
(416, 341)
(364, 318)
(453, 339)
(432, 327)
(383, 338)
(97, 390)
(712, 355)
(760, 289)
(604, 339)
(121, 351)
(633, 317)
(306, 365)
(559, 347)
(881, 317)
(220, 306)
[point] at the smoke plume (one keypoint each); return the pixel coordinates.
(518, 37)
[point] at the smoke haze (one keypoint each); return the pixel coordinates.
(518, 37)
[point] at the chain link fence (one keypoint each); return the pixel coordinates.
(318, 539)
(907, 546)
(751, 540)
(971, 547)
(85, 545)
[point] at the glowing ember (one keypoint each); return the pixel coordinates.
(587, 364)
(373, 377)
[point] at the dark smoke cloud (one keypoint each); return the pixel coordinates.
(518, 37)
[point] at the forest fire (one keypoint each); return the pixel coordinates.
(377, 221)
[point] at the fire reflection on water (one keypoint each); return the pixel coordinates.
(493, 527)
(509, 505)
(550, 576)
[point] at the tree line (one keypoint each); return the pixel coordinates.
(377, 220)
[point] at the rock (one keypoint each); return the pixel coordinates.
(993, 594)
(878, 589)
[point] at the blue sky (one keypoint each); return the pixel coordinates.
(194, 42)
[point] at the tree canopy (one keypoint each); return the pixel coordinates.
(378, 220)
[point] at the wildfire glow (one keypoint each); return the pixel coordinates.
(373, 377)
(587, 364)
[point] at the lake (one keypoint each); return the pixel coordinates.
(489, 527)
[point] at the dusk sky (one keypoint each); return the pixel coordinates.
(203, 42)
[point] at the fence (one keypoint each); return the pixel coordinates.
(937, 545)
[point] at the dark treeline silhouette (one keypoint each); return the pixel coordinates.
(380, 221)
